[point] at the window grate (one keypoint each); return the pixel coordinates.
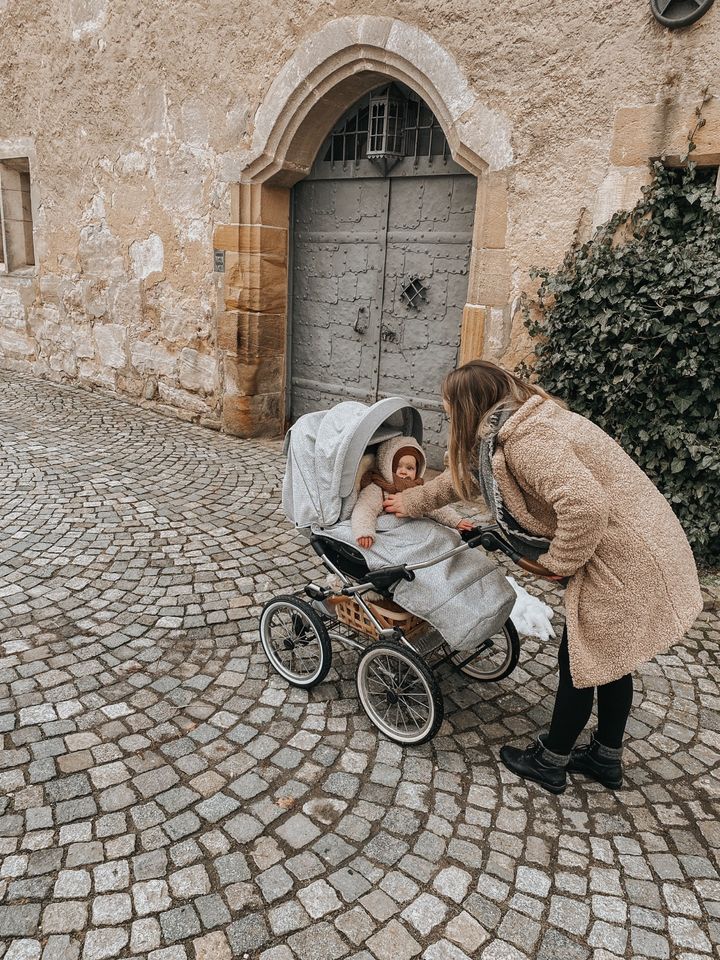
(413, 291)
(424, 137)
(419, 136)
(348, 141)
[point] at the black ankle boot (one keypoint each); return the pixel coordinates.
(598, 762)
(538, 764)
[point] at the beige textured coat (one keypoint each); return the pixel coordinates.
(634, 588)
(369, 503)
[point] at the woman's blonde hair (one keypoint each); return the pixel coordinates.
(473, 393)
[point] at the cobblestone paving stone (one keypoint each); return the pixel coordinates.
(163, 795)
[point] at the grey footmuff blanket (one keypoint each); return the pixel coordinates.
(466, 598)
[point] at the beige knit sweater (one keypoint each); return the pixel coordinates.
(634, 588)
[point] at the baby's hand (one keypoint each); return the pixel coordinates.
(465, 525)
(366, 542)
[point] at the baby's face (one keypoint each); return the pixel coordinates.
(406, 468)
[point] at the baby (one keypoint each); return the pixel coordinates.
(400, 464)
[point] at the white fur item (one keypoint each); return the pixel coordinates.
(532, 617)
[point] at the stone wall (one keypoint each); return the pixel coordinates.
(139, 121)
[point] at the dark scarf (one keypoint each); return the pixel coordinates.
(526, 544)
(372, 476)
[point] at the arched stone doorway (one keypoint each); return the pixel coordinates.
(380, 254)
(333, 70)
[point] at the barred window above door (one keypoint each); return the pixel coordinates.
(422, 135)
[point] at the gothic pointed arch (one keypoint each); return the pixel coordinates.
(332, 69)
(342, 62)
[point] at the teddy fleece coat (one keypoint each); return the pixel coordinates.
(633, 588)
(369, 503)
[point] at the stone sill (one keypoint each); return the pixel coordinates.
(21, 273)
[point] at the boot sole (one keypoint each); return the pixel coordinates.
(549, 788)
(591, 775)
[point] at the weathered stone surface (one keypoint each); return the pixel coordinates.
(490, 283)
(620, 190)
(110, 340)
(491, 220)
(147, 256)
(182, 399)
(99, 251)
(198, 372)
(152, 357)
(12, 309)
(19, 920)
(12, 342)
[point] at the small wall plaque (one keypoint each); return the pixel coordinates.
(679, 13)
(219, 261)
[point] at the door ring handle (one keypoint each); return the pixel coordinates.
(359, 327)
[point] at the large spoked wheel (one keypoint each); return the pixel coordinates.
(295, 641)
(399, 693)
(497, 658)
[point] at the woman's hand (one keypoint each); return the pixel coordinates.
(366, 542)
(393, 503)
(465, 525)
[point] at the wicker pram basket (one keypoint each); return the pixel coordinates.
(387, 613)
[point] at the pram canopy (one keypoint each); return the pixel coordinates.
(324, 451)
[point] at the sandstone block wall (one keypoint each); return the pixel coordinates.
(139, 122)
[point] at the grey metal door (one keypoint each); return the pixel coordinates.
(379, 280)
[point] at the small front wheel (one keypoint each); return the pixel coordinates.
(497, 657)
(295, 641)
(399, 693)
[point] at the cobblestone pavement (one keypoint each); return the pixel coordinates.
(163, 795)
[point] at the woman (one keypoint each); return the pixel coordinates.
(576, 506)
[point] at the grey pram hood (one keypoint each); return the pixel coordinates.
(466, 598)
(324, 451)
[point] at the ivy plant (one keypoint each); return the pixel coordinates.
(627, 332)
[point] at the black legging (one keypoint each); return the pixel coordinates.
(573, 708)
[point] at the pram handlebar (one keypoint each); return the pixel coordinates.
(490, 538)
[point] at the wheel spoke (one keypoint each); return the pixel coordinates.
(415, 715)
(414, 696)
(379, 678)
(399, 693)
(385, 677)
(414, 684)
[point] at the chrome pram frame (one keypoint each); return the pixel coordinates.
(395, 678)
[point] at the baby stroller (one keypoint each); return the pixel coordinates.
(364, 605)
